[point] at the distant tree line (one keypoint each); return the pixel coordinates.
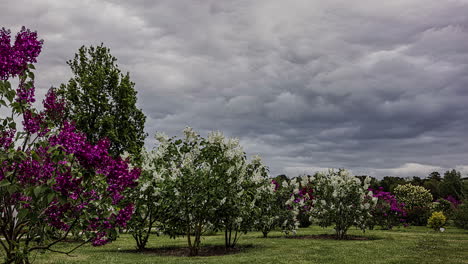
(450, 184)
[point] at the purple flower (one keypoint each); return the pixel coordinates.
(14, 59)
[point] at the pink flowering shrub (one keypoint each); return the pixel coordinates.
(52, 181)
(388, 212)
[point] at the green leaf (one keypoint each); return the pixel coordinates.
(12, 188)
(22, 213)
(31, 75)
(4, 182)
(39, 190)
(50, 197)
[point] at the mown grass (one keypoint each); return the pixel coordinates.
(402, 245)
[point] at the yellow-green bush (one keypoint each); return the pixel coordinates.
(436, 221)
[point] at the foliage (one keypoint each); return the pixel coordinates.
(149, 211)
(287, 200)
(452, 185)
(388, 212)
(413, 196)
(389, 183)
(460, 216)
(417, 200)
(443, 206)
(269, 209)
(436, 221)
(203, 184)
(433, 186)
(102, 101)
(341, 200)
(52, 180)
(446, 205)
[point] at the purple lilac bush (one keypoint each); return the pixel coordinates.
(388, 212)
(52, 181)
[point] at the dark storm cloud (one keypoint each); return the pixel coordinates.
(376, 87)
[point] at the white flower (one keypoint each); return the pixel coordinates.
(144, 186)
(215, 137)
(223, 201)
(190, 134)
(161, 137)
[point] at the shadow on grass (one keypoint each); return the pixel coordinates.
(177, 251)
(328, 237)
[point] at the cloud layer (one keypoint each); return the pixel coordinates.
(379, 88)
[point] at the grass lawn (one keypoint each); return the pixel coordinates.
(402, 245)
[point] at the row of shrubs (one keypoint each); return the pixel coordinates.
(242, 198)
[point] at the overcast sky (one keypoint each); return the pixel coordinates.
(377, 87)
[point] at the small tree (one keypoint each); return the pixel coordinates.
(52, 180)
(244, 184)
(452, 185)
(460, 216)
(149, 211)
(186, 186)
(341, 200)
(417, 201)
(269, 209)
(102, 101)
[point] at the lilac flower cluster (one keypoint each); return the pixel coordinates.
(102, 224)
(124, 215)
(25, 94)
(54, 107)
(24, 200)
(14, 59)
(305, 194)
(118, 175)
(6, 138)
(388, 212)
(32, 122)
(33, 172)
(55, 213)
(454, 201)
(276, 184)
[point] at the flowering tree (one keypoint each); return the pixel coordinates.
(147, 200)
(341, 200)
(52, 181)
(202, 183)
(186, 185)
(281, 203)
(243, 184)
(388, 212)
(417, 200)
(269, 209)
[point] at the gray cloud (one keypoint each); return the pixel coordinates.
(379, 88)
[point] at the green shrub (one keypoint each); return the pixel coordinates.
(436, 221)
(460, 216)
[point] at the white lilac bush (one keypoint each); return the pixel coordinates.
(341, 200)
(281, 203)
(194, 184)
